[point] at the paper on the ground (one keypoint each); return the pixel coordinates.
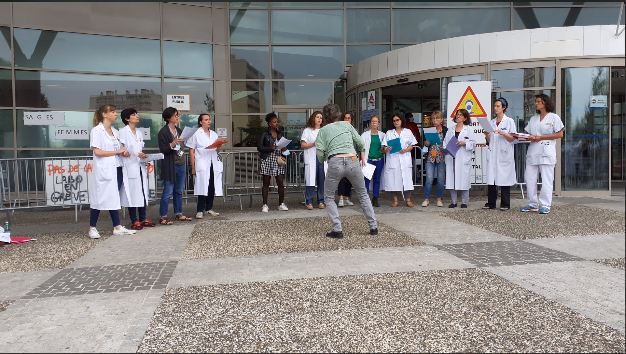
(431, 135)
(153, 157)
(368, 171)
(395, 145)
(486, 124)
(452, 147)
(282, 143)
(188, 133)
(5, 237)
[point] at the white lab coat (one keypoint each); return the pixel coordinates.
(103, 192)
(310, 155)
(459, 169)
(367, 140)
(398, 170)
(204, 159)
(543, 152)
(500, 157)
(134, 192)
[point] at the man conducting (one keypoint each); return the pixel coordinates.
(335, 143)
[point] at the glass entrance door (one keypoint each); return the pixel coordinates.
(293, 121)
(618, 136)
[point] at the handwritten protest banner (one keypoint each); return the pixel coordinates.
(67, 181)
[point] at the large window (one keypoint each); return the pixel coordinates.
(6, 89)
(529, 17)
(302, 93)
(249, 26)
(201, 93)
(523, 78)
(86, 52)
(5, 48)
(188, 59)
(313, 62)
(307, 26)
(252, 63)
(251, 96)
(356, 53)
(368, 26)
(6, 128)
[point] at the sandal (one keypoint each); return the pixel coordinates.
(181, 217)
(409, 204)
(165, 221)
(148, 223)
(136, 226)
(395, 204)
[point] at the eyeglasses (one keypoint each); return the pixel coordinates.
(397, 120)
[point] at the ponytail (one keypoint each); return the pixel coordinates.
(98, 114)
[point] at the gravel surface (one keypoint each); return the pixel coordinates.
(50, 251)
(246, 238)
(613, 262)
(5, 303)
(563, 221)
(444, 311)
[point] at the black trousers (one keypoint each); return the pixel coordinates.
(505, 192)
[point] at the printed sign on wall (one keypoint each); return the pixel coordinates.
(71, 133)
(180, 102)
(44, 118)
(146, 133)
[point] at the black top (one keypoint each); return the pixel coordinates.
(165, 138)
(266, 141)
(456, 134)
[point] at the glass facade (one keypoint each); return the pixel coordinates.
(272, 54)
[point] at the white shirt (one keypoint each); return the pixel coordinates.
(543, 152)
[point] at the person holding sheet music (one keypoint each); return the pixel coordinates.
(204, 147)
(459, 167)
(500, 157)
(374, 141)
(134, 193)
(269, 165)
(435, 161)
(398, 170)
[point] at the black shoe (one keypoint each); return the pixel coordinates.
(452, 205)
(463, 206)
(335, 234)
(505, 208)
(375, 202)
(487, 206)
(374, 232)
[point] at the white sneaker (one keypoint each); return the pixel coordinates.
(348, 202)
(93, 233)
(199, 215)
(265, 209)
(282, 207)
(340, 204)
(123, 231)
(212, 213)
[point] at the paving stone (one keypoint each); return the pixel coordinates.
(588, 247)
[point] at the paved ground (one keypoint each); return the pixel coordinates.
(434, 279)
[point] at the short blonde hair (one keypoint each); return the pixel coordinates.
(437, 114)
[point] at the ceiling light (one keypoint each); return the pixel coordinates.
(186, 87)
(53, 85)
(301, 85)
(311, 75)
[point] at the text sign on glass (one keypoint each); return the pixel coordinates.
(146, 133)
(180, 102)
(71, 133)
(44, 118)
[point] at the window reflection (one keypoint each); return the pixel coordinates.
(249, 62)
(250, 96)
(459, 4)
(202, 98)
(307, 4)
(6, 128)
(314, 62)
(6, 89)
(307, 26)
(302, 93)
(86, 52)
(368, 26)
(5, 47)
(85, 91)
(528, 18)
(367, 4)
(249, 26)
(247, 4)
(356, 53)
(425, 25)
(188, 59)
(247, 130)
(523, 78)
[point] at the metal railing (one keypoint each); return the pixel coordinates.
(28, 183)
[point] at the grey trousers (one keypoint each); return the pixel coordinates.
(464, 195)
(338, 168)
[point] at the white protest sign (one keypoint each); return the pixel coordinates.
(44, 118)
(71, 133)
(475, 96)
(67, 181)
(180, 102)
(146, 133)
(371, 100)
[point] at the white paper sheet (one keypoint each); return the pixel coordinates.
(368, 171)
(153, 157)
(282, 143)
(486, 124)
(188, 133)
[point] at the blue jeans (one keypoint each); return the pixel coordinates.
(376, 177)
(176, 189)
(319, 180)
(430, 176)
(115, 215)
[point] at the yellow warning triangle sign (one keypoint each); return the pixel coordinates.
(470, 102)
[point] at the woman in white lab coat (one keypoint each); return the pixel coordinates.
(374, 141)
(204, 147)
(544, 129)
(106, 180)
(459, 168)
(500, 157)
(398, 168)
(313, 169)
(134, 193)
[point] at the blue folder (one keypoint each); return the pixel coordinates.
(395, 145)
